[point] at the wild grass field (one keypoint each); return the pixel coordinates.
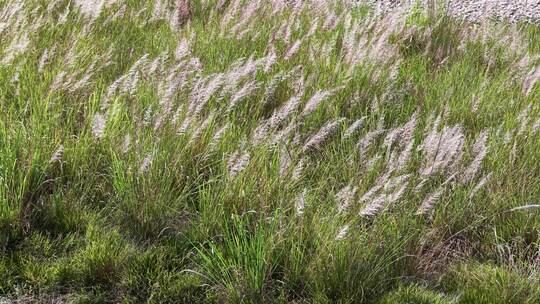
(259, 151)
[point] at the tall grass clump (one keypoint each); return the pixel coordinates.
(266, 152)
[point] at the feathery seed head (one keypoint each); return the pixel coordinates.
(342, 233)
(345, 197)
(127, 143)
(375, 207)
(293, 49)
(57, 155)
(280, 115)
(480, 150)
(357, 125)
(285, 160)
(219, 135)
(300, 203)
(237, 163)
(318, 140)
(98, 126)
(146, 163)
(299, 169)
(429, 203)
(480, 184)
(314, 102)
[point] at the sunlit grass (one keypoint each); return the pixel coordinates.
(266, 152)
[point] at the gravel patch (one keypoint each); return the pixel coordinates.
(472, 10)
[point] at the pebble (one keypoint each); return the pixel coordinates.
(470, 10)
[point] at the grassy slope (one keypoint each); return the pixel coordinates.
(144, 211)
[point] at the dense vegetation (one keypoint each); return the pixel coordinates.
(266, 152)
